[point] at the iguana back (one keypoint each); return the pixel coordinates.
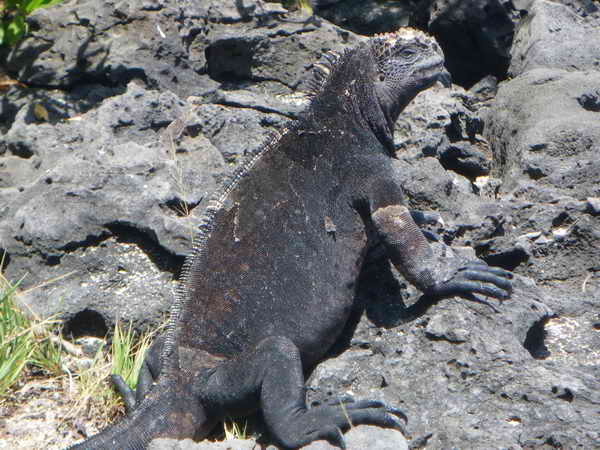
(285, 248)
(271, 281)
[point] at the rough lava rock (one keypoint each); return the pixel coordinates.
(68, 214)
(553, 35)
(84, 41)
(129, 116)
(476, 36)
(557, 148)
(367, 16)
(490, 374)
(357, 438)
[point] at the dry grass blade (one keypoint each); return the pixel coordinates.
(235, 430)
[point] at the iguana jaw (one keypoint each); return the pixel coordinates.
(445, 78)
(435, 67)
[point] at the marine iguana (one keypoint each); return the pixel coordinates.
(270, 283)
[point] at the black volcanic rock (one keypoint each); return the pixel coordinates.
(147, 106)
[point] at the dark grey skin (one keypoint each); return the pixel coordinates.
(271, 282)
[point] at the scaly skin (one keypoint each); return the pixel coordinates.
(271, 282)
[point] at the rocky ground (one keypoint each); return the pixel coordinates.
(128, 114)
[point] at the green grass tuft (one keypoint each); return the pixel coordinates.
(235, 429)
(301, 5)
(30, 347)
(24, 342)
(13, 26)
(128, 353)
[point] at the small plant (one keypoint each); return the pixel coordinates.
(31, 346)
(24, 342)
(235, 430)
(301, 5)
(128, 353)
(15, 346)
(12, 18)
(305, 5)
(173, 131)
(95, 395)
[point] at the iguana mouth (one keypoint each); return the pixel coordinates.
(436, 70)
(445, 78)
(432, 64)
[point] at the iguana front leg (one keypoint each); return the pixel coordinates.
(409, 251)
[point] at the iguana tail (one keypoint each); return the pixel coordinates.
(169, 410)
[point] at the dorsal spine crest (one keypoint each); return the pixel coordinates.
(322, 72)
(170, 361)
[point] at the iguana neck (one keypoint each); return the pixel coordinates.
(368, 107)
(354, 109)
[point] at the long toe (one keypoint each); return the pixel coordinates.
(364, 404)
(375, 416)
(464, 287)
(125, 391)
(488, 277)
(397, 412)
(495, 270)
(475, 299)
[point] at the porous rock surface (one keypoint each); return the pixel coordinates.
(131, 113)
(358, 438)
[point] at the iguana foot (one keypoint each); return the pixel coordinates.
(351, 403)
(475, 278)
(273, 374)
(329, 422)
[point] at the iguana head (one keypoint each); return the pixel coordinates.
(382, 75)
(407, 62)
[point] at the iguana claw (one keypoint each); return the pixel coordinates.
(125, 391)
(476, 278)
